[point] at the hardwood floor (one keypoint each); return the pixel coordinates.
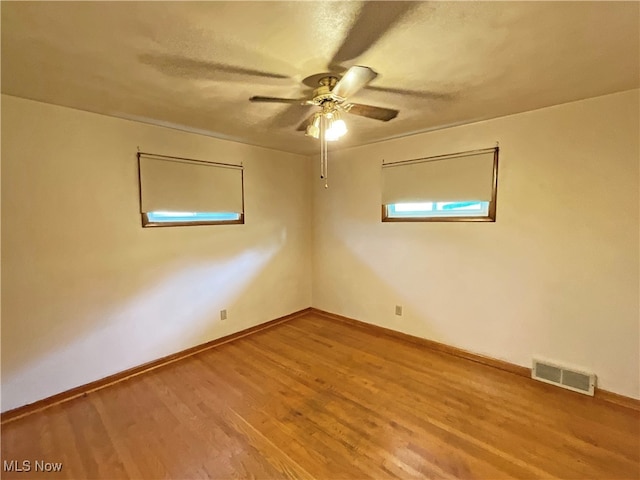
(318, 398)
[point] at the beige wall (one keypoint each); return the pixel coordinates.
(555, 276)
(87, 292)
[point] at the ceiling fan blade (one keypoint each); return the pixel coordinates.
(356, 78)
(369, 111)
(372, 22)
(299, 101)
(303, 126)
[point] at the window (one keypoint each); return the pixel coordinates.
(190, 218)
(456, 187)
(438, 209)
(179, 192)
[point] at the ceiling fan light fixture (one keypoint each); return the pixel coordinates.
(337, 128)
(331, 135)
(313, 129)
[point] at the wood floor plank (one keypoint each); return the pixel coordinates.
(278, 415)
(318, 398)
(536, 444)
(615, 425)
(440, 438)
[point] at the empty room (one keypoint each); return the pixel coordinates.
(322, 240)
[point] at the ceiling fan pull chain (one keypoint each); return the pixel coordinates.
(325, 149)
(326, 164)
(323, 145)
(321, 160)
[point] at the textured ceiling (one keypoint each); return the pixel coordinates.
(194, 65)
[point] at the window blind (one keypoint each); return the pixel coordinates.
(179, 185)
(463, 177)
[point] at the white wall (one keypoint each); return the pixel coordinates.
(87, 292)
(556, 275)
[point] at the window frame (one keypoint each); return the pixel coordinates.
(489, 217)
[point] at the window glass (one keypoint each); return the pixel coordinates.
(437, 209)
(183, 217)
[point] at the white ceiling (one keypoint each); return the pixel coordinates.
(194, 65)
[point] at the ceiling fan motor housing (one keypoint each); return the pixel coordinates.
(323, 94)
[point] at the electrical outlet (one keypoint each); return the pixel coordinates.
(399, 310)
(223, 314)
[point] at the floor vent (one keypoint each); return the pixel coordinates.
(560, 376)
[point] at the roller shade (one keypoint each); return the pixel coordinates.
(189, 186)
(464, 177)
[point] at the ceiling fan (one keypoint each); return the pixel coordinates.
(332, 96)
